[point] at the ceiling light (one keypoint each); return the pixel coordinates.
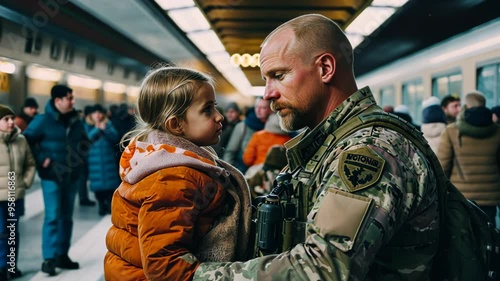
(43, 73)
(174, 4)
(258, 91)
(369, 20)
(206, 41)
(355, 39)
(190, 19)
(7, 67)
(221, 61)
(246, 60)
(133, 91)
(84, 82)
(238, 80)
(389, 3)
(114, 87)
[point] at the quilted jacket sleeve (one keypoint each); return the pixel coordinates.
(166, 226)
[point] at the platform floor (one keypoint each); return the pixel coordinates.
(87, 247)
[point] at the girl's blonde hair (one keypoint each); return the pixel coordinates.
(166, 92)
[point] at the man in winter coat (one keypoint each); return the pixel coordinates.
(469, 152)
(59, 144)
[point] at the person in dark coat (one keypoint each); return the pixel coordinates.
(123, 122)
(102, 164)
(27, 113)
(231, 118)
(59, 144)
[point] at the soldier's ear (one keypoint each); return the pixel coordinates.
(174, 126)
(327, 67)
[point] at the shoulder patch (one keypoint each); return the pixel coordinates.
(360, 168)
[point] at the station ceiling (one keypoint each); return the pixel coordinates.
(140, 33)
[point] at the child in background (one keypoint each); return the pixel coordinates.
(17, 171)
(178, 204)
(102, 165)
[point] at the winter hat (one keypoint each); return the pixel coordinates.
(433, 114)
(273, 124)
(30, 102)
(98, 107)
(430, 101)
(402, 109)
(233, 106)
(5, 110)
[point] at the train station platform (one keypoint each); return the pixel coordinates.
(88, 245)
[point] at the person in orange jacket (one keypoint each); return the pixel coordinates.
(178, 204)
(256, 151)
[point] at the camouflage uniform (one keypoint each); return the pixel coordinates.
(373, 212)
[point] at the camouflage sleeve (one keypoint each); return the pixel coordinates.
(368, 190)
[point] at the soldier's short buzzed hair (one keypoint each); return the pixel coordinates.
(315, 32)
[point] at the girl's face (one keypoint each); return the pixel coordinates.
(7, 123)
(202, 124)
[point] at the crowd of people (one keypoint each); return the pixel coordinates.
(70, 151)
(466, 139)
(180, 193)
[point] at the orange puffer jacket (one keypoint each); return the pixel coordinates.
(169, 199)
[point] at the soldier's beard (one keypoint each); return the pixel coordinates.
(291, 119)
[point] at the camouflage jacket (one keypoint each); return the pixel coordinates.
(373, 214)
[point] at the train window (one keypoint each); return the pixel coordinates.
(55, 50)
(447, 84)
(69, 53)
(488, 83)
(413, 95)
(387, 96)
(90, 61)
(28, 45)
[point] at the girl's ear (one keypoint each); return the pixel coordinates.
(174, 126)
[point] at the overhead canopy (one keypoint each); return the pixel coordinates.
(138, 33)
(242, 25)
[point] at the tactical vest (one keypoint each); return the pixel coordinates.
(306, 181)
(469, 244)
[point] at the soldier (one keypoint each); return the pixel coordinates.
(372, 212)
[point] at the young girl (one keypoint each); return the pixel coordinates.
(102, 164)
(178, 205)
(17, 171)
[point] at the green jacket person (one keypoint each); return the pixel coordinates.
(373, 213)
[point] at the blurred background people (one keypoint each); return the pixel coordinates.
(388, 109)
(102, 165)
(17, 166)
(82, 182)
(255, 120)
(28, 111)
(55, 139)
(469, 152)
(255, 153)
(123, 121)
(496, 114)
(433, 121)
(451, 107)
(232, 115)
(403, 112)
